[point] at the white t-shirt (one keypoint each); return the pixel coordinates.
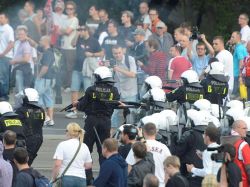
(245, 34)
(6, 36)
(72, 23)
(226, 58)
(59, 19)
(160, 153)
(65, 152)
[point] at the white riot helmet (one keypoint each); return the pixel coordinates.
(5, 107)
(171, 118)
(247, 112)
(189, 76)
(234, 114)
(216, 68)
(199, 118)
(153, 82)
(147, 119)
(215, 111)
(156, 94)
(30, 95)
(160, 121)
(235, 104)
(203, 104)
(103, 74)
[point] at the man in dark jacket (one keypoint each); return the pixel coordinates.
(114, 170)
(144, 165)
(173, 175)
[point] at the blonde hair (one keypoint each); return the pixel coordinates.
(209, 181)
(75, 131)
(172, 160)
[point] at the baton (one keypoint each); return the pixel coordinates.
(70, 106)
(97, 136)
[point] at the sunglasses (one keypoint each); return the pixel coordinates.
(81, 29)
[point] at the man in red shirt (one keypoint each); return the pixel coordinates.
(242, 158)
(157, 61)
(154, 17)
(178, 64)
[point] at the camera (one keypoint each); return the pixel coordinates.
(195, 34)
(112, 62)
(217, 157)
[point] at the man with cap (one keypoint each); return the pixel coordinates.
(6, 171)
(138, 50)
(164, 38)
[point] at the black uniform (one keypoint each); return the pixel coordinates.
(32, 117)
(185, 148)
(216, 88)
(98, 115)
(11, 121)
(186, 93)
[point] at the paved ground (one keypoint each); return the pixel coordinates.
(54, 135)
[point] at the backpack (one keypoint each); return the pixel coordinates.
(247, 66)
(39, 180)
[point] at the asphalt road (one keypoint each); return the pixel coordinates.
(52, 137)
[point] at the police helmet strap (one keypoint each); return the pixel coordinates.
(25, 97)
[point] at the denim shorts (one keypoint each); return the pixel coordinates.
(117, 118)
(76, 81)
(72, 181)
(44, 88)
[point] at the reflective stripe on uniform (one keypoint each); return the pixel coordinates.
(12, 122)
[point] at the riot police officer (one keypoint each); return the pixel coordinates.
(150, 83)
(216, 83)
(191, 141)
(190, 91)
(32, 116)
(11, 121)
(98, 121)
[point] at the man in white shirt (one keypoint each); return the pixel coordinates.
(124, 70)
(209, 167)
(69, 32)
(159, 150)
(226, 58)
(59, 18)
(6, 54)
(245, 29)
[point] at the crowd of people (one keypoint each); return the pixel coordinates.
(118, 65)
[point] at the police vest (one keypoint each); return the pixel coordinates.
(33, 122)
(217, 87)
(98, 93)
(193, 94)
(10, 121)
